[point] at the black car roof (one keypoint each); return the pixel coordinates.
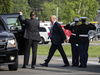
(10, 15)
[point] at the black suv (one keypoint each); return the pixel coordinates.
(12, 42)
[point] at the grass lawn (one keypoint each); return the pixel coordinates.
(94, 41)
(94, 51)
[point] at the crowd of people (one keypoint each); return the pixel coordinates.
(78, 39)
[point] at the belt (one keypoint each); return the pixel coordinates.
(83, 35)
(73, 34)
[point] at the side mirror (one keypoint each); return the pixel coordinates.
(13, 28)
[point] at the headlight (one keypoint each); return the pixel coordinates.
(11, 43)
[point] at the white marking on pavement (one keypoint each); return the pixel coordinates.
(93, 63)
(89, 62)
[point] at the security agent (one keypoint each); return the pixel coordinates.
(83, 41)
(73, 41)
(32, 37)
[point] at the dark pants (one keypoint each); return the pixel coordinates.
(75, 54)
(28, 44)
(83, 47)
(52, 51)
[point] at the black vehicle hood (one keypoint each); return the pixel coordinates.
(5, 35)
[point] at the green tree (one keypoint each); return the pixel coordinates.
(78, 8)
(61, 8)
(98, 1)
(5, 6)
(36, 3)
(50, 8)
(21, 5)
(47, 11)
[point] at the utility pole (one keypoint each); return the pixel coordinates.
(57, 14)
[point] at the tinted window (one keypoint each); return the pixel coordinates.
(98, 30)
(2, 28)
(14, 22)
(42, 29)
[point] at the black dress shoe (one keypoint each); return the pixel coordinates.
(77, 65)
(24, 66)
(32, 66)
(80, 66)
(44, 64)
(85, 66)
(66, 65)
(73, 66)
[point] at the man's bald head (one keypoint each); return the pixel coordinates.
(53, 18)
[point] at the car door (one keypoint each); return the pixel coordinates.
(12, 20)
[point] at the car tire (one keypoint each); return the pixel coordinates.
(46, 42)
(13, 67)
(42, 41)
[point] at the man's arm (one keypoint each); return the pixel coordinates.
(62, 33)
(67, 27)
(21, 18)
(92, 27)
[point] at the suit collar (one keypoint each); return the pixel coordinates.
(32, 18)
(54, 22)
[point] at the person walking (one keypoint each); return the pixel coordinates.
(83, 41)
(57, 37)
(73, 41)
(32, 37)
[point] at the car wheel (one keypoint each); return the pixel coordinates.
(14, 66)
(42, 41)
(46, 42)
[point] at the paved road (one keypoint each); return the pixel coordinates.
(54, 68)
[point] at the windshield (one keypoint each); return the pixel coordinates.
(14, 22)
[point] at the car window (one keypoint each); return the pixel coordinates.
(49, 28)
(2, 28)
(14, 22)
(42, 29)
(98, 30)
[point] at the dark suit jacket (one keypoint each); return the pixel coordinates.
(83, 30)
(58, 35)
(73, 29)
(31, 28)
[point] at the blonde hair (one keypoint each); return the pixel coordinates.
(54, 17)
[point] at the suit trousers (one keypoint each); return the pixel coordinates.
(75, 54)
(83, 47)
(52, 51)
(30, 43)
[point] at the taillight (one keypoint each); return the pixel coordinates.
(48, 34)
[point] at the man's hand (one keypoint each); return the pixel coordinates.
(87, 22)
(65, 40)
(20, 13)
(77, 45)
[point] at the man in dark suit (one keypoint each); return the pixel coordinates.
(32, 37)
(83, 41)
(57, 38)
